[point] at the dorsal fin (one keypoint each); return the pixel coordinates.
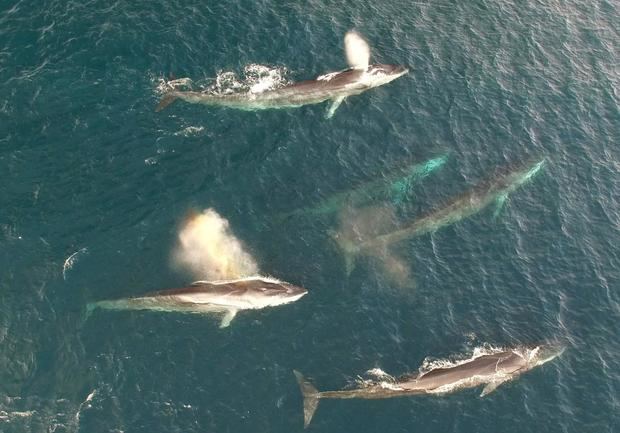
(357, 50)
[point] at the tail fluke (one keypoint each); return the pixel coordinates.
(311, 397)
(168, 99)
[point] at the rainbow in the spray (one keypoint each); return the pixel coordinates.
(207, 248)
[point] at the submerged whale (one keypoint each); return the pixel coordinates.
(490, 370)
(227, 297)
(495, 190)
(334, 86)
(394, 187)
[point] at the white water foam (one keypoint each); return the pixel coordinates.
(85, 404)
(164, 86)
(256, 79)
(71, 260)
(378, 373)
(431, 363)
(8, 416)
(190, 131)
(376, 376)
(23, 414)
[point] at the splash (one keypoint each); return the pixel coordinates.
(255, 79)
(433, 363)
(190, 131)
(164, 86)
(208, 249)
(378, 373)
(86, 404)
(372, 377)
(226, 82)
(262, 78)
(71, 260)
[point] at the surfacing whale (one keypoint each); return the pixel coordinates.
(334, 86)
(490, 370)
(227, 297)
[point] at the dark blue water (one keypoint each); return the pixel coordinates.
(85, 163)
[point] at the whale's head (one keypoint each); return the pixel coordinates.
(266, 291)
(510, 178)
(377, 75)
(544, 353)
(527, 171)
(290, 292)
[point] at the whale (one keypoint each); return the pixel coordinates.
(226, 297)
(393, 186)
(494, 190)
(490, 370)
(334, 86)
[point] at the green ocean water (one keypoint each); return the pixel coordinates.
(87, 166)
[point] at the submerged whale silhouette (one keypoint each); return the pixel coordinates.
(494, 190)
(393, 186)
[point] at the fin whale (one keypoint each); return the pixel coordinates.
(334, 86)
(225, 297)
(393, 186)
(490, 370)
(495, 190)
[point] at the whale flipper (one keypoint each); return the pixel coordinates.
(399, 190)
(500, 202)
(357, 50)
(228, 317)
(333, 106)
(490, 387)
(348, 248)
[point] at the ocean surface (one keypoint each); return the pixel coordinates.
(94, 186)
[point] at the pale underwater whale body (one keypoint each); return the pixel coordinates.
(490, 370)
(226, 297)
(494, 190)
(393, 187)
(334, 86)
